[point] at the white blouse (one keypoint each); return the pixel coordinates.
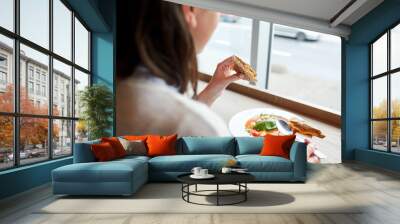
(146, 104)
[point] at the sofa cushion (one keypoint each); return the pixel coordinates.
(161, 145)
(277, 145)
(112, 171)
(83, 152)
(103, 152)
(249, 145)
(206, 145)
(257, 163)
(116, 145)
(185, 163)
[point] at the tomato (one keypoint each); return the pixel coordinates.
(254, 133)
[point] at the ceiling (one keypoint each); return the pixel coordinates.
(326, 16)
(320, 9)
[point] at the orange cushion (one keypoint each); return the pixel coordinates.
(103, 152)
(275, 145)
(116, 145)
(161, 145)
(135, 137)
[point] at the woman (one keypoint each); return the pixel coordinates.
(157, 68)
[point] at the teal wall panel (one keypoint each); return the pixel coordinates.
(355, 86)
(24, 178)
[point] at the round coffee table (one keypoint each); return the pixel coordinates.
(238, 179)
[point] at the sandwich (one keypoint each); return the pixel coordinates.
(242, 67)
(304, 129)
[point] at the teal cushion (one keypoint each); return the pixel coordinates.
(206, 145)
(257, 163)
(185, 163)
(249, 145)
(111, 171)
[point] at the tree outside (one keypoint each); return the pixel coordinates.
(33, 131)
(379, 128)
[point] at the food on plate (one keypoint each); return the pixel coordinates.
(245, 69)
(261, 125)
(304, 129)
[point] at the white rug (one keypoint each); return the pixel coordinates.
(166, 198)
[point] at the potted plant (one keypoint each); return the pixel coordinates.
(96, 104)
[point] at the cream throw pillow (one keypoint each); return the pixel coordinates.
(136, 147)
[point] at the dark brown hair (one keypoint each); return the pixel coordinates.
(155, 33)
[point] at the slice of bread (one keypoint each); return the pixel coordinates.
(245, 69)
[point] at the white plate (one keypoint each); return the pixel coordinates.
(237, 122)
(208, 176)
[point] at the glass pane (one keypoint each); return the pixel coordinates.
(35, 21)
(395, 94)
(81, 131)
(395, 138)
(81, 81)
(379, 135)
(232, 37)
(6, 142)
(33, 139)
(62, 29)
(81, 45)
(7, 14)
(379, 56)
(62, 138)
(306, 65)
(379, 98)
(34, 97)
(395, 47)
(6, 74)
(62, 89)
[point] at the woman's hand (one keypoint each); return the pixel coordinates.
(223, 76)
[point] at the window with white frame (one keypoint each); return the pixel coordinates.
(54, 43)
(291, 62)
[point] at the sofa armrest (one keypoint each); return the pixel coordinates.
(83, 152)
(298, 155)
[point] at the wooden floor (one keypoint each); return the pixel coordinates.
(379, 190)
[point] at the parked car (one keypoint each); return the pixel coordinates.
(296, 33)
(228, 18)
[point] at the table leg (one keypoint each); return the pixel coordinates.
(245, 193)
(217, 194)
(195, 188)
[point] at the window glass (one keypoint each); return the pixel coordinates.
(34, 21)
(33, 140)
(39, 62)
(62, 29)
(395, 95)
(395, 47)
(6, 74)
(306, 65)
(7, 14)
(6, 142)
(62, 138)
(231, 37)
(81, 82)
(379, 56)
(62, 89)
(395, 138)
(379, 98)
(81, 45)
(379, 135)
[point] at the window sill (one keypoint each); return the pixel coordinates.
(30, 166)
(319, 113)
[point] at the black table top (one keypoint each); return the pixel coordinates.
(220, 178)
